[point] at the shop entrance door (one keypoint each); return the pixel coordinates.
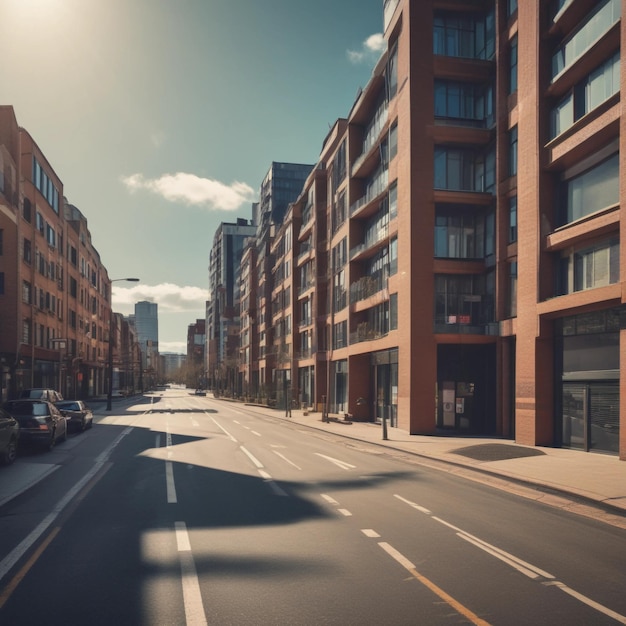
(590, 419)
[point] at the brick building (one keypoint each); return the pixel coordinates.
(455, 250)
(55, 293)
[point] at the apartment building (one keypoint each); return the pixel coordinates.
(55, 293)
(223, 307)
(455, 251)
(452, 262)
(194, 359)
(249, 374)
(87, 296)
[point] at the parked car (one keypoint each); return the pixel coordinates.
(41, 394)
(41, 423)
(80, 416)
(9, 435)
(199, 392)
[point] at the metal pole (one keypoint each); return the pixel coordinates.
(110, 364)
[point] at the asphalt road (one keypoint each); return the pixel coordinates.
(189, 510)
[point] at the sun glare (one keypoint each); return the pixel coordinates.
(34, 8)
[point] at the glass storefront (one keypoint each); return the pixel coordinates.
(589, 397)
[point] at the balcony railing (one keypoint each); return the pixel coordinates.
(374, 188)
(366, 287)
(366, 332)
(372, 134)
(373, 237)
(306, 285)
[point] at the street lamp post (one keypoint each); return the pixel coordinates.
(110, 359)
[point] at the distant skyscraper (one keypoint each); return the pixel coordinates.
(147, 325)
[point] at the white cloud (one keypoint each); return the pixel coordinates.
(370, 49)
(193, 190)
(170, 298)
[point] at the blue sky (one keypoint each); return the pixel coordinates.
(162, 117)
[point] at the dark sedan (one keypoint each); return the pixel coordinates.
(80, 416)
(9, 434)
(41, 423)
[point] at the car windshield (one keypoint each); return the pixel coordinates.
(27, 408)
(34, 393)
(71, 406)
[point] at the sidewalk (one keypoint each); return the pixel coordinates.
(558, 476)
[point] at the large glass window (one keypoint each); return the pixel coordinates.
(513, 64)
(462, 301)
(592, 91)
(459, 169)
(597, 23)
(512, 303)
(591, 191)
(465, 103)
(459, 235)
(594, 266)
(461, 35)
(513, 219)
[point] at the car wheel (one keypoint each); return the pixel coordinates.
(10, 454)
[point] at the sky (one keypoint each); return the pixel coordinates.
(162, 117)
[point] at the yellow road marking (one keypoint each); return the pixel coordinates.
(17, 579)
(410, 567)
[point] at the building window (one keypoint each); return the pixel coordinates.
(393, 311)
(467, 36)
(339, 212)
(51, 236)
(26, 210)
(26, 292)
(513, 219)
(392, 72)
(459, 235)
(513, 151)
(595, 266)
(589, 192)
(459, 169)
(393, 140)
(512, 303)
(593, 28)
(393, 256)
(339, 165)
(340, 335)
(45, 186)
(393, 200)
(40, 223)
(462, 301)
(589, 93)
(511, 7)
(513, 65)
(464, 103)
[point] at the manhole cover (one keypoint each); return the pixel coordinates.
(497, 452)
